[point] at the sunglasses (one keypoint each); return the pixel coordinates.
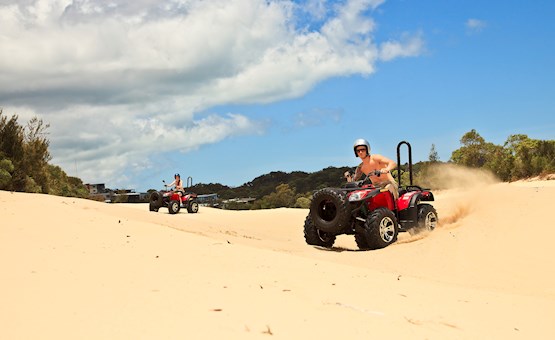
(360, 150)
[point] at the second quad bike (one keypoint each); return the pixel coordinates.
(369, 212)
(174, 200)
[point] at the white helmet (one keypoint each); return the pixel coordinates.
(361, 142)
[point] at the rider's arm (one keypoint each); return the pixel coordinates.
(387, 164)
(171, 184)
(358, 173)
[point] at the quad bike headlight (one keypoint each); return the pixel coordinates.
(357, 196)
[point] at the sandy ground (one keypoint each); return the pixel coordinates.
(79, 269)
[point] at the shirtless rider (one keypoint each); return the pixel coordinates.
(372, 162)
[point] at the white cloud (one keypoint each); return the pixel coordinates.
(408, 46)
(115, 141)
(475, 25)
(115, 79)
(316, 8)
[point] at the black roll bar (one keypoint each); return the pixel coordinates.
(399, 161)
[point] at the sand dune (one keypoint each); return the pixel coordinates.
(75, 268)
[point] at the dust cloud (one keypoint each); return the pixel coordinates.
(455, 189)
(451, 176)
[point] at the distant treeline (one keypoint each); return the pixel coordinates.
(519, 157)
(277, 189)
(24, 161)
(24, 167)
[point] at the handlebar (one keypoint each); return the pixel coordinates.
(375, 173)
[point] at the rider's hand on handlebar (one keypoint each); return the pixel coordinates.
(384, 171)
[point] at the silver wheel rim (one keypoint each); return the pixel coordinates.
(387, 229)
(430, 221)
(194, 207)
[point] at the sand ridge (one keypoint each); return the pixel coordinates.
(75, 268)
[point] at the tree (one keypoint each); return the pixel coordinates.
(6, 169)
(63, 185)
(11, 147)
(36, 155)
(24, 158)
(500, 162)
(519, 157)
(77, 188)
(531, 156)
(433, 157)
(303, 200)
(284, 196)
(473, 152)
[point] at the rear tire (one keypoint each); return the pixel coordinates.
(152, 207)
(329, 211)
(192, 207)
(380, 229)
(174, 207)
(427, 219)
(315, 237)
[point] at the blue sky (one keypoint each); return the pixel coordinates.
(224, 92)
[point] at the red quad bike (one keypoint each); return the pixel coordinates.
(170, 199)
(369, 212)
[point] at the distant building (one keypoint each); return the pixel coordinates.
(132, 196)
(113, 195)
(100, 190)
(96, 188)
(237, 203)
(208, 200)
(241, 200)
